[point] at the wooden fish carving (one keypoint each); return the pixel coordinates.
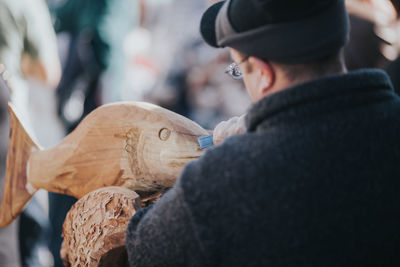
(135, 145)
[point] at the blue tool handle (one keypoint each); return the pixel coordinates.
(205, 141)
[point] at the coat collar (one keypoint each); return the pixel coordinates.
(315, 96)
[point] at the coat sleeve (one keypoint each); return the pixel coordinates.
(164, 234)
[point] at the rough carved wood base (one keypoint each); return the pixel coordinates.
(94, 228)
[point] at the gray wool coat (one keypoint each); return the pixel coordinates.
(314, 182)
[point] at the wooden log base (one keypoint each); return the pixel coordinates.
(94, 229)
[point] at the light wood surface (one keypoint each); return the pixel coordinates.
(15, 194)
(94, 228)
(135, 145)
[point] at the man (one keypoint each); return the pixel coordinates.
(313, 180)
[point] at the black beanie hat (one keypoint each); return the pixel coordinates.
(287, 31)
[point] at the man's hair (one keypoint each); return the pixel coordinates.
(331, 64)
(334, 63)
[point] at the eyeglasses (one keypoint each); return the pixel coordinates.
(234, 71)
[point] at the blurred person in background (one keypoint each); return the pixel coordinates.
(93, 73)
(28, 53)
(393, 68)
(167, 25)
(374, 37)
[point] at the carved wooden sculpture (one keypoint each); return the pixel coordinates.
(135, 145)
(94, 229)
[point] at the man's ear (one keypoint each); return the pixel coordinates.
(267, 74)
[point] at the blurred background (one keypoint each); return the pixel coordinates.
(64, 58)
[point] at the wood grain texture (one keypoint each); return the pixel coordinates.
(139, 146)
(135, 145)
(15, 193)
(94, 229)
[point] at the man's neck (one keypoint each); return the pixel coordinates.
(283, 82)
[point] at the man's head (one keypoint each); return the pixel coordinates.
(283, 42)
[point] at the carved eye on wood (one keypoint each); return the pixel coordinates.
(164, 134)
